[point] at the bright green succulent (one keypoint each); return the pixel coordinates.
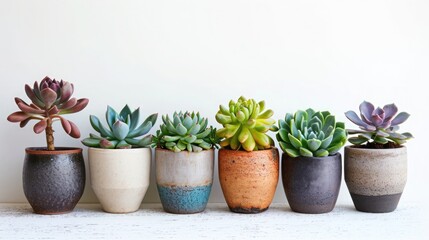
(245, 125)
(309, 133)
(123, 130)
(186, 131)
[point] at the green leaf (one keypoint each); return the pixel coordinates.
(180, 129)
(294, 141)
(329, 121)
(123, 145)
(335, 148)
(187, 122)
(223, 119)
(357, 140)
(190, 138)
(340, 125)
(134, 119)
(321, 153)
(381, 140)
(91, 142)
(95, 122)
(293, 129)
(299, 117)
(205, 145)
(111, 116)
(132, 141)
(326, 142)
(125, 112)
(305, 152)
(292, 152)
(283, 135)
(120, 130)
(141, 130)
(314, 144)
(170, 138)
(152, 119)
(288, 118)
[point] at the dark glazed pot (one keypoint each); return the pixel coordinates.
(311, 184)
(53, 181)
(248, 179)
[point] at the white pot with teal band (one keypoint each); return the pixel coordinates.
(184, 179)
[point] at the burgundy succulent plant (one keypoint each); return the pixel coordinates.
(49, 100)
(378, 125)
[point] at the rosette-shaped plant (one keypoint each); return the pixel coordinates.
(309, 133)
(123, 130)
(49, 100)
(186, 131)
(245, 124)
(378, 125)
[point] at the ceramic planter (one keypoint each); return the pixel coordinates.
(184, 179)
(311, 184)
(53, 181)
(248, 179)
(375, 177)
(120, 177)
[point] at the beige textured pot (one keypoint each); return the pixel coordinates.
(120, 177)
(248, 179)
(375, 177)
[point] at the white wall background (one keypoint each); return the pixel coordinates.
(164, 56)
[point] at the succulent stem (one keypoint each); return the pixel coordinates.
(50, 135)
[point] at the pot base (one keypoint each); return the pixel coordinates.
(376, 204)
(184, 200)
(247, 210)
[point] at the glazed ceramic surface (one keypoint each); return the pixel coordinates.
(184, 179)
(375, 177)
(53, 181)
(120, 177)
(248, 179)
(311, 184)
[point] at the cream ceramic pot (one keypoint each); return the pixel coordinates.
(120, 177)
(375, 177)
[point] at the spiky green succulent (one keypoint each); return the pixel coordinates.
(123, 130)
(245, 124)
(186, 131)
(309, 133)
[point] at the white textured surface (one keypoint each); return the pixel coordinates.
(151, 222)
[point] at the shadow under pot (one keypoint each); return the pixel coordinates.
(248, 179)
(120, 177)
(375, 177)
(311, 184)
(53, 181)
(184, 179)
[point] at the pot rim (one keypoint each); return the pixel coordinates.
(244, 151)
(184, 151)
(57, 151)
(357, 148)
(303, 158)
(119, 150)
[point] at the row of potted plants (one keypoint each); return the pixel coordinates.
(375, 165)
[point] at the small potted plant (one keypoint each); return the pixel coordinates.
(375, 166)
(119, 159)
(311, 164)
(248, 161)
(53, 177)
(184, 160)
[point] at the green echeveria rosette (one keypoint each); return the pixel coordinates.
(311, 134)
(185, 131)
(123, 130)
(245, 124)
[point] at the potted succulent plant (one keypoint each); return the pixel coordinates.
(53, 177)
(119, 160)
(184, 160)
(248, 161)
(375, 166)
(311, 164)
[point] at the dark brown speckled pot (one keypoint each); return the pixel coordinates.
(53, 181)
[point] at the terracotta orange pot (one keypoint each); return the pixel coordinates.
(248, 179)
